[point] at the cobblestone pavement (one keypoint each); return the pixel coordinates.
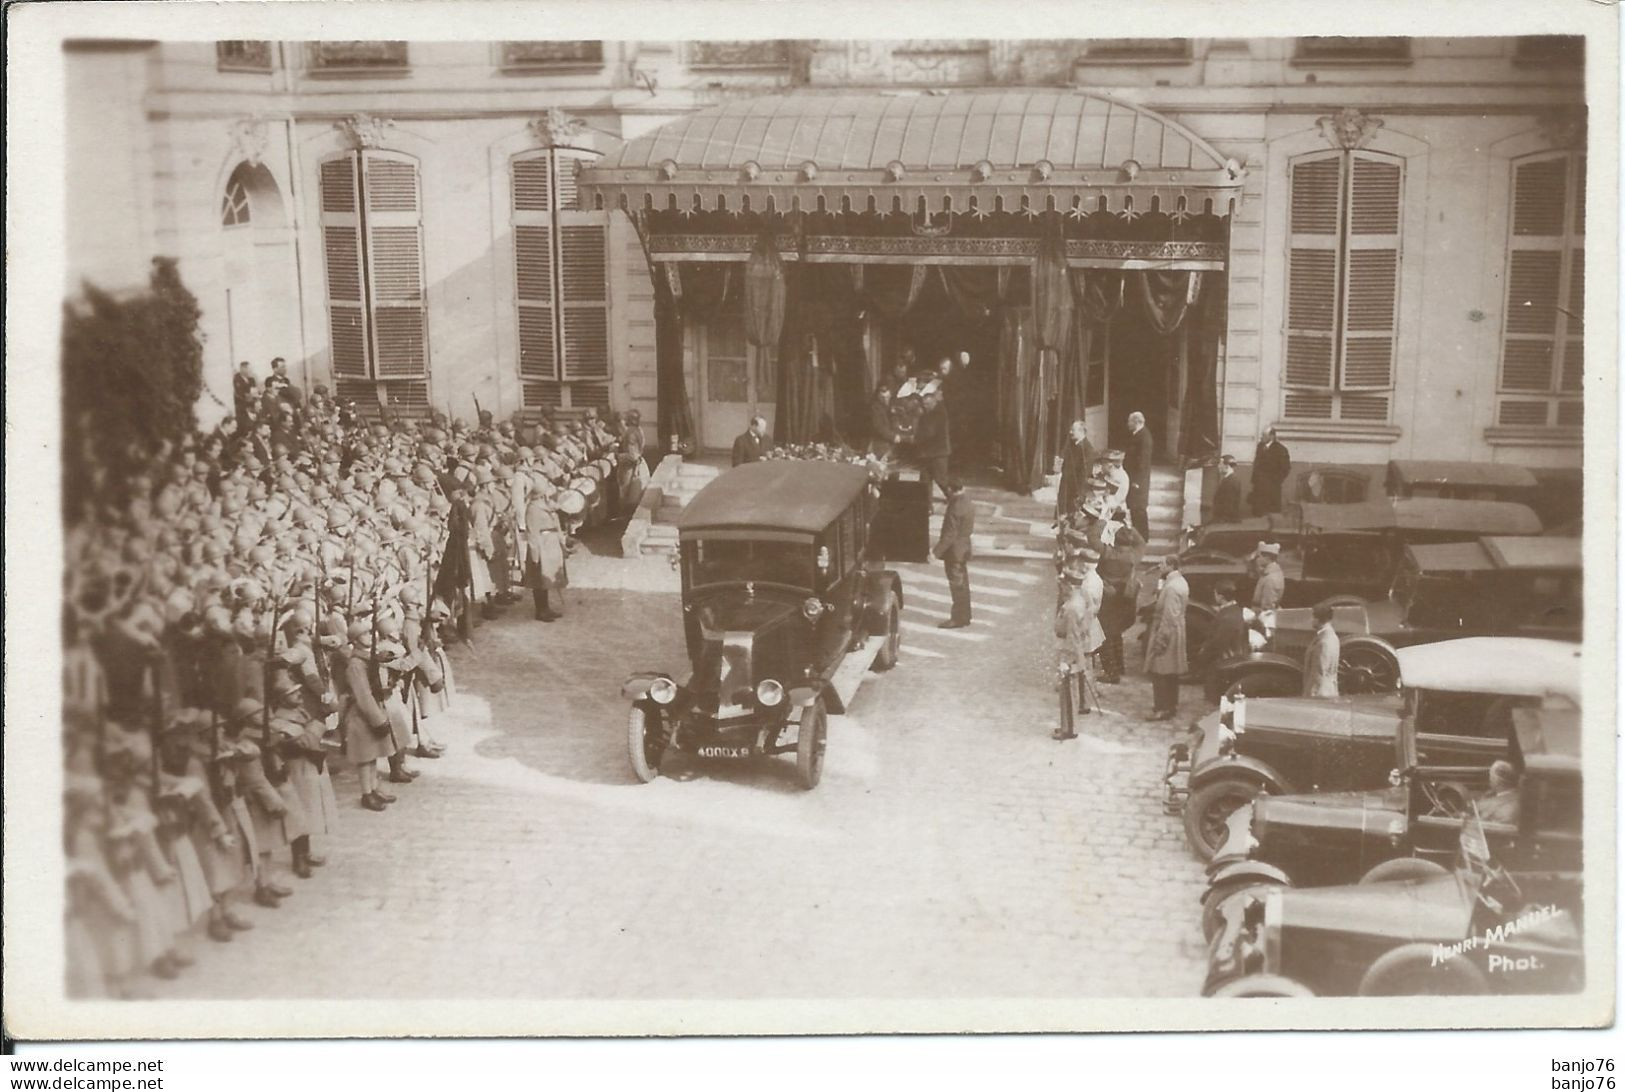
(953, 849)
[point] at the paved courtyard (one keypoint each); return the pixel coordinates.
(953, 849)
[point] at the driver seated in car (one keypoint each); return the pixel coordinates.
(1500, 803)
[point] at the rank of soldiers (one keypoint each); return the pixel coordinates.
(254, 610)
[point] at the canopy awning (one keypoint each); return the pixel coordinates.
(973, 152)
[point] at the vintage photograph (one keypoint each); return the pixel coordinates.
(848, 519)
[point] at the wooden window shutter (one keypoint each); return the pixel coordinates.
(534, 279)
(1312, 284)
(341, 243)
(1542, 344)
(1371, 284)
(584, 277)
(395, 265)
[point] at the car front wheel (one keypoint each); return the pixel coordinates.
(645, 744)
(1207, 812)
(887, 657)
(1263, 985)
(810, 740)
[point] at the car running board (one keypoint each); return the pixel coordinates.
(854, 665)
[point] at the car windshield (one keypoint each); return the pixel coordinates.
(717, 561)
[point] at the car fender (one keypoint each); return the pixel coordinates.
(1248, 871)
(879, 584)
(1238, 766)
(799, 697)
(636, 687)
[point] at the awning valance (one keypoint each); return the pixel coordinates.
(958, 152)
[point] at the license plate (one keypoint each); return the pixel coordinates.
(726, 752)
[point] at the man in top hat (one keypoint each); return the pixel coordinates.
(953, 549)
(1227, 494)
(243, 385)
(1272, 462)
(1077, 627)
(1271, 579)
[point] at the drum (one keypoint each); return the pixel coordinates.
(571, 502)
(592, 472)
(607, 468)
(585, 486)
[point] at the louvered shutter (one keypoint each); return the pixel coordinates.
(1312, 284)
(583, 278)
(534, 294)
(1371, 285)
(341, 243)
(395, 265)
(1542, 349)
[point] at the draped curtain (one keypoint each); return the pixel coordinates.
(823, 369)
(1199, 421)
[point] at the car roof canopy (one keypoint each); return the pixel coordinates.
(1533, 552)
(1524, 666)
(802, 495)
(1473, 517)
(1415, 472)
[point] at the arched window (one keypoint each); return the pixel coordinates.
(234, 207)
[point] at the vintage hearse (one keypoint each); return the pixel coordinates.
(785, 607)
(1456, 701)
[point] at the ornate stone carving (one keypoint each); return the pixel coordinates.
(365, 131)
(1563, 127)
(249, 137)
(557, 128)
(1349, 128)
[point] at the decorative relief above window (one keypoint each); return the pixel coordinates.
(243, 56)
(1164, 50)
(358, 56)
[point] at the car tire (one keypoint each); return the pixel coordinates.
(639, 744)
(811, 735)
(1213, 901)
(1208, 807)
(1402, 869)
(887, 657)
(1367, 666)
(1268, 684)
(1263, 985)
(1415, 969)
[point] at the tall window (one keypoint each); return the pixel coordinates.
(243, 56)
(1342, 286)
(1543, 336)
(561, 273)
(372, 234)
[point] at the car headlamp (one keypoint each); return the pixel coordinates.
(769, 692)
(663, 691)
(812, 609)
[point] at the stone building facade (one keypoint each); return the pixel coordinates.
(1404, 260)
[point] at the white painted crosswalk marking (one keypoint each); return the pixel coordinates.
(1014, 575)
(930, 612)
(926, 653)
(956, 634)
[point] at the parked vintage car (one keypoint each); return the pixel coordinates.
(1411, 829)
(1516, 586)
(785, 607)
(1474, 930)
(1455, 700)
(1459, 480)
(1347, 552)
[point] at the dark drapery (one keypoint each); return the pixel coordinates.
(823, 369)
(1021, 393)
(890, 290)
(1166, 296)
(1097, 293)
(705, 287)
(671, 390)
(1199, 423)
(764, 291)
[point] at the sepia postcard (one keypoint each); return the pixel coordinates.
(812, 532)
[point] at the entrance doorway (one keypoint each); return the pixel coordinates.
(737, 379)
(936, 327)
(1144, 372)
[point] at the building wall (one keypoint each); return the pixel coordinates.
(156, 130)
